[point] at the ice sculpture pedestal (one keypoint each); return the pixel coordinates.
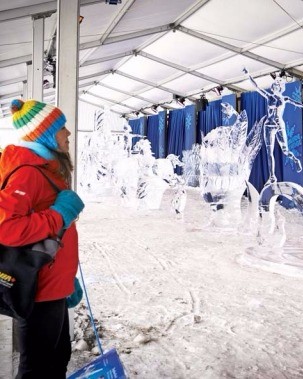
(276, 248)
(223, 194)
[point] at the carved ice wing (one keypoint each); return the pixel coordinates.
(239, 131)
(253, 143)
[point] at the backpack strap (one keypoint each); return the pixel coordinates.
(56, 188)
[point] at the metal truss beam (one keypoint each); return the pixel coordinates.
(108, 58)
(187, 70)
(150, 84)
(124, 92)
(238, 50)
(45, 9)
(112, 101)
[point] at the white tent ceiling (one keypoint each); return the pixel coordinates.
(142, 52)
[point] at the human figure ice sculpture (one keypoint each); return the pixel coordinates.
(191, 166)
(102, 150)
(179, 199)
(274, 124)
(127, 138)
(150, 187)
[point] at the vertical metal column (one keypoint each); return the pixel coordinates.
(29, 83)
(67, 70)
(24, 93)
(38, 51)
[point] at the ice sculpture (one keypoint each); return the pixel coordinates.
(109, 165)
(179, 199)
(274, 124)
(134, 178)
(191, 169)
(227, 154)
(101, 150)
(150, 188)
(274, 128)
(164, 168)
(270, 250)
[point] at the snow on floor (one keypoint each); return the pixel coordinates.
(178, 300)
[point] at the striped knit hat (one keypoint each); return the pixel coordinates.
(37, 122)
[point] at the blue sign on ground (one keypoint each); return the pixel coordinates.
(107, 366)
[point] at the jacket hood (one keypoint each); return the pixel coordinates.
(14, 156)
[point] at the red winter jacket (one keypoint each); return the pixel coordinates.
(25, 217)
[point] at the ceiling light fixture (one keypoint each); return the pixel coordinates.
(282, 74)
(154, 108)
(179, 100)
(218, 90)
(273, 75)
(202, 103)
(113, 2)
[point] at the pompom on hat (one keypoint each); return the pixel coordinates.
(37, 122)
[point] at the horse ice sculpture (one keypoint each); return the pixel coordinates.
(164, 167)
(159, 176)
(108, 165)
(227, 154)
(138, 180)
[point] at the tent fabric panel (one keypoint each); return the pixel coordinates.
(232, 22)
(183, 46)
(145, 68)
(152, 13)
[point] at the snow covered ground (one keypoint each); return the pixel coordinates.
(179, 299)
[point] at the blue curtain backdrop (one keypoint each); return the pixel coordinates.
(256, 107)
(175, 134)
(232, 100)
(190, 136)
(293, 121)
(153, 134)
(209, 119)
(138, 127)
(162, 133)
(156, 133)
(181, 132)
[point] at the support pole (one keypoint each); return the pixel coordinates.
(67, 70)
(38, 51)
(29, 82)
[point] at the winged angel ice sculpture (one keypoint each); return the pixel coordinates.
(274, 128)
(227, 154)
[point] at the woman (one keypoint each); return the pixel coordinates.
(274, 125)
(31, 210)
